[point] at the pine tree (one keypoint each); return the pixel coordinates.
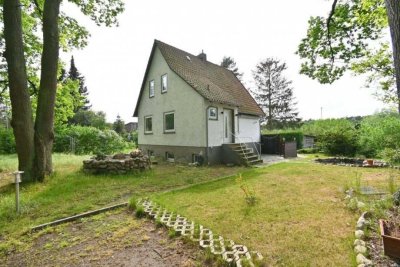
(83, 91)
(275, 95)
(230, 64)
(119, 125)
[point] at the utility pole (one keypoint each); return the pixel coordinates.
(321, 113)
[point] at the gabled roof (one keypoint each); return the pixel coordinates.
(213, 82)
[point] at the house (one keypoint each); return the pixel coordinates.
(308, 141)
(191, 110)
(131, 127)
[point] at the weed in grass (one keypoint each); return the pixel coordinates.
(189, 180)
(208, 257)
(392, 182)
(172, 233)
(139, 213)
(132, 204)
(396, 198)
(63, 244)
(357, 182)
(159, 223)
(250, 195)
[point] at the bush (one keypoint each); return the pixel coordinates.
(334, 136)
(380, 135)
(7, 141)
(307, 150)
(88, 140)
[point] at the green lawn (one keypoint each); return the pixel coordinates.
(70, 191)
(299, 219)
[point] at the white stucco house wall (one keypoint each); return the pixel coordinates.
(189, 109)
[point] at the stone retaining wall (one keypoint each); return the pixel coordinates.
(117, 164)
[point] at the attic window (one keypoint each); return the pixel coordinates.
(188, 58)
(151, 88)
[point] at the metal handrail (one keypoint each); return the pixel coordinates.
(252, 141)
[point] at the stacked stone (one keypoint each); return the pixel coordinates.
(225, 248)
(360, 247)
(117, 164)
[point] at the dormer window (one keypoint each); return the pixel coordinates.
(151, 88)
(164, 83)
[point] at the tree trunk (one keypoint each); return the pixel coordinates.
(22, 121)
(393, 13)
(44, 125)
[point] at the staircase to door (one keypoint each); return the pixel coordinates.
(247, 155)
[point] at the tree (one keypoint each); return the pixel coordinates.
(90, 118)
(274, 94)
(34, 139)
(83, 91)
(230, 64)
(119, 125)
(351, 38)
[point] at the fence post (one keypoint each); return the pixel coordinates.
(17, 180)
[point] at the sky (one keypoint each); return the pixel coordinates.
(115, 59)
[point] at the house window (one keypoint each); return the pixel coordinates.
(169, 157)
(148, 124)
(169, 122)
(213, 113)
(151, 88)
(164, 83)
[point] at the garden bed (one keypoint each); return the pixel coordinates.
(353, 162)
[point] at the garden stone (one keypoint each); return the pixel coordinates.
(360, 249)
(361, 259)
(360, 205)
(359, 234)
(361, 223)
(359, 242)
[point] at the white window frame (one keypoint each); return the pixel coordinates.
(151, 88)
(164, 90)
(165, 122)
(145, 124)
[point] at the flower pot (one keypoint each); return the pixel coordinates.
(370, 162)
(391, 244)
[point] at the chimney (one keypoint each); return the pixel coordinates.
(202, 56)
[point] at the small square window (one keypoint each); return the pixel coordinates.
(169, 122)
(164, 83)
(151, 88)
(148, 124)
(213, 113)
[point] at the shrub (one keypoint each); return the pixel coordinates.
(7, 141)
(334, 136)
(380, 135)
(308, 150)
(88, 140)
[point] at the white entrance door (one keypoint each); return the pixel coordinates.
(228, 126)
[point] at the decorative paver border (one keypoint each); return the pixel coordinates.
(227, 249)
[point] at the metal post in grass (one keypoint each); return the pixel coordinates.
(17, 180)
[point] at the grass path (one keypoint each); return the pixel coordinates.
(70, 191)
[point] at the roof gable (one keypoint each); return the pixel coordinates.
(212, 81)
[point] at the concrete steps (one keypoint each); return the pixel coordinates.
(246, 154)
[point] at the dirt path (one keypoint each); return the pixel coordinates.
(114, 238)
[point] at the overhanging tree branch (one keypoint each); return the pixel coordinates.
(328, 23)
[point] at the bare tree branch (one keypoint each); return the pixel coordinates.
(328, 23)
